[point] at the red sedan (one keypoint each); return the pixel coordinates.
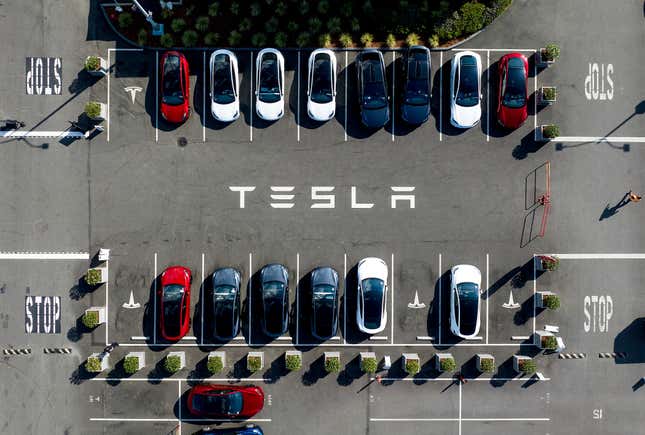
(175, 302)
(513, 90)
(175, 87)
(225, 401)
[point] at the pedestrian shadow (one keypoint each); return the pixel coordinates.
(611, 211)
(81, 375)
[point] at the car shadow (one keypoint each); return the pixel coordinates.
(354, 128)
(630, 341)
(442, 95)
(348, 307)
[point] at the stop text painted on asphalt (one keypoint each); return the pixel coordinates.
(43, 75)
(42, 314)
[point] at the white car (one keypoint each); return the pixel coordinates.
(269, 84)
(321, 86)
(371, 303)
(225, 86)
(465, 285)
(465, 89)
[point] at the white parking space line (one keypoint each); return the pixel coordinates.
(599, 139)
(187, 420)
(284, 338)
(460, 386)
(487, 96)
(249, 298)
(201, 288)
(44, 256)
(108, 97)
(156, 97)
(43, 134)
(440, 132)
(188, 337)
(440, 274)
(204, 113)
(393, 96)
(107, 298)
(535, 114)
(518, 419)
(133, 420)
(179, 401)
(346, 108)
(392, 297)
(356, 345)
(345, 280)
(450, 379)
(632, 256)
(520, 337)
(378, 337)
(197, 380)
(297, 294)
(154, 325)
(424, 337)
(251, 105)
(534, 292)
(298, 100)
(487, 280)
(139, 337)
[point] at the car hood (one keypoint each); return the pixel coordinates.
(375, 118)
(466, 117)
(372, 268)
(512, 117)
(174, 113)
(226, 112)
(415, 114)
(270, 111)
(321, 112)
(466, 273)
(274, 272)
(225, 277)
(324, 276)
(253, 401)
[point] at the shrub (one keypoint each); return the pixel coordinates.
(215, 365)
(167, 13)
(552, 262)
(235, 8)
(346, 9)
(412, 39)
(324, 40)
(245, 25)
(549, 342)
(449, 28)
(201, 24)
(131, 364)
(92, 63)
(292, 26)
(549, 93)
(346, 40)
(434, 40)
(166, 40)
(447, 364)
(390, 40)
(355, 25)
(178, 24)
(366, 39)
(551, 52)
(303, 6)
(332, 365)
(259, 40)
(323, 7)
(256, 9)
(271, 26)
(314, 25)
(302, 39)
(280, 40)
(281, 9)
(549, 132)
(369, 365)
(172, 363)
(527, 366)
(125, 19)
(234, 38)
(211, 38)
(189, 38)
(412, 366)
(93, 364)
(552, 302)
(487, 365)
(90, 319)
(472, 17)
(293, 362)
(213, 9)
(93, 109)
(253, 363)
(333, 25)
(142, 37)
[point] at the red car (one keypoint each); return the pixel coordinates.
(513, 90)
(175, 87)
(225, 401)
(175, 302)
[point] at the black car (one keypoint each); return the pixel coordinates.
(415, 101)
(226, 303)
(275, 299)
(372, 88)
(324, 302)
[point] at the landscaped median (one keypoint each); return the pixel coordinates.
(302, 23)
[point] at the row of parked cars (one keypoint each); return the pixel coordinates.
(465, 87)
(224, 301)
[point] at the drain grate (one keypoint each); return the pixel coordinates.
(182, 141)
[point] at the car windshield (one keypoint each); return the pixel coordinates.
(321, 91)
(223, 92)
(171, 92)
(373, 289)
(468, 92)
(374, 89)
(417, 92)
(269, 91)
(172, 295)
(324, 292)
(468, 306)
(229, 404)
(515, 91)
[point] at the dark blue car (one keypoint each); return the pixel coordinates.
(226, 303)
(324, 302)
(415, 104)
(275, 299)
(372, 88)
(249, 429)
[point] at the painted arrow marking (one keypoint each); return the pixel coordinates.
(131, 304)
(416, 303)
(511, 303)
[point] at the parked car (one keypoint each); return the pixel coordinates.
(321, 85)
(269, 86)
(249, 429)
(372, 88)
(175, 87)
(174, 295)
(226, 303)
(324, 302)
(417, 72)
(371, 305)
(512, 93)
(275, 299)
(465, 89)
(225, 86)
(465, 284)
(225, 401)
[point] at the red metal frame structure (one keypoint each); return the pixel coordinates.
(545, 200)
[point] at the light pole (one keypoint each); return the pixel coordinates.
(157, 28)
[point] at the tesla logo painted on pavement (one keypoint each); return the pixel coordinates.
(511, 304)
(416, 303)
(132, 90)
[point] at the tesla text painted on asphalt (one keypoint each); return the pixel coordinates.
(599, 74)
(42, 314)
(43, 75)
(324, 196)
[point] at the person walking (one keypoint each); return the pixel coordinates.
(633, 197)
